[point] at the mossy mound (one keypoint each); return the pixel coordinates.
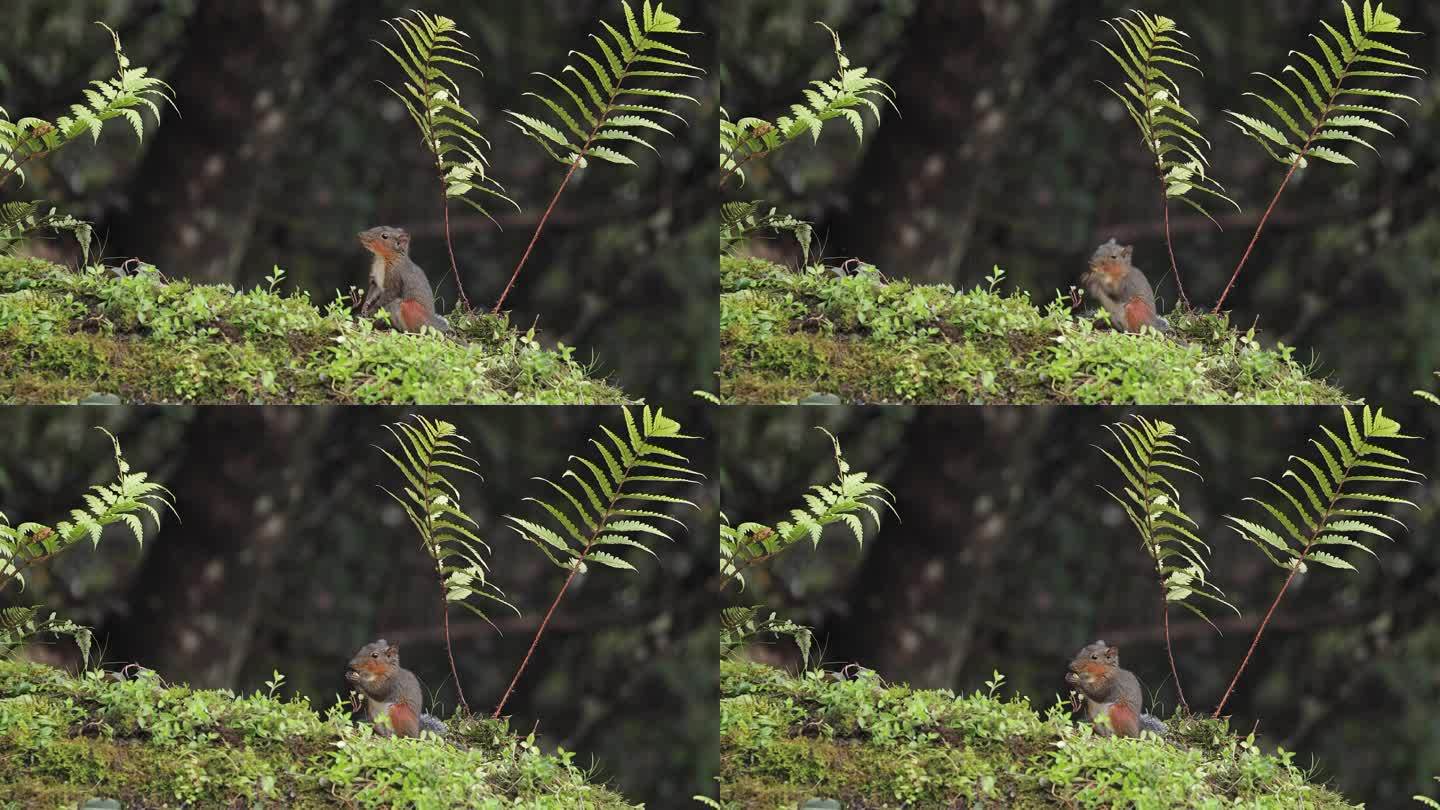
(788, 336)
(65, 740)
(786, 741)
(68, 336)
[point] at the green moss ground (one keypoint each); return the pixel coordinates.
(65, 740)
(788, 336)
(67, 336)
(787, 740)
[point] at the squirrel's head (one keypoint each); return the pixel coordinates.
(386, 241)
(1097, 652)
(1112, 257)
(371, 659)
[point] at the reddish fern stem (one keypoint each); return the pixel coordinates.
(454, 267)
(600, 122)
(454, 673)
(1294, 165)
(1174, 672)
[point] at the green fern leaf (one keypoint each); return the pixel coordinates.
(427, 46)
(1312, 513)
(1151, 502)
(591, 515)
(1318, 89)
(598, 92)
(1151, 97)
(429, 448)
(843, 96)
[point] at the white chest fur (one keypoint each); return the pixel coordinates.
(377, 271)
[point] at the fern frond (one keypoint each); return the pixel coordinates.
(429, 450)
(741, 220)
(1322, 512)
(844, 96)
(599, 510)
(1148, 449)
(1429, 396)
(428, 46)
(844, 500)
(597, 105)
(20, 624)
(124, 95)
(1148, 45)
(129, 497)
(1319, 102)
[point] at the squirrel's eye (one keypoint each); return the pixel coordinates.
(386, 237)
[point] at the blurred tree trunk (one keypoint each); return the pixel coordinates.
(194, 200)
(915, 199)
(198, 596)
(917, 599)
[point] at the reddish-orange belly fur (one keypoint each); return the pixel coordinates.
(412, 315)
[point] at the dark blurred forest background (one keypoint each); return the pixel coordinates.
(288, 557)
(286, 147)
(1007, 556)
(1008, 153)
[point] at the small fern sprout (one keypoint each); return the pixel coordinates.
(603, 107)
(431, 44)
(844, 500)
(741, 625)
(428, 449)
(20, 219)
(602, 510)
(741, 220)
(843, 96)
(1320, 108)
(1152, 98)
(1148, 448)
(1322, 511)
(1429, 396)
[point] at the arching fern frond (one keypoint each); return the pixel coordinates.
(428, 449)
(842, 96)
(843, 500)
(1329, 504)
(1151, 501)
(1148, 45)
(1321, 103)
(601, 105)
(125, 500)
(741, 625)
(1148, 449)
(121, 96)
(1429, 396)
(741, 220)
(1321, 106)
(429, 45)
(608, 505)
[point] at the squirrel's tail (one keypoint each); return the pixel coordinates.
(1147, 723)
(432, 723)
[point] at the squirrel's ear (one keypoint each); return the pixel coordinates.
(1127, 251)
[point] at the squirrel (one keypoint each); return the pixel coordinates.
(390, 690)
(1121, 288)
(398, 285)
(1110, 691)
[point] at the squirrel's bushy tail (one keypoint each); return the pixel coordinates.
(430, 722)
(1147, 723)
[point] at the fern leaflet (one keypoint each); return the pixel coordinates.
(741, 220)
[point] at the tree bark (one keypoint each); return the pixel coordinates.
(195, 197)
(195, 603)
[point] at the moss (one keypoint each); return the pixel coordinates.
(788, 739)
(68, 335)
(67, 739)
(787, 335)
